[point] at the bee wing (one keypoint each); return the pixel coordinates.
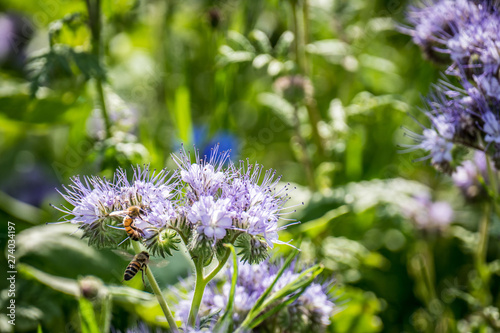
(153, 262)
(119, 213)
(124, 254)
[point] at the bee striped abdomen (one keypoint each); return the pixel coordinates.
(132, 269)
(131, 230)
(139, 263)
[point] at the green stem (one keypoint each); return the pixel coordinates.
(299, 56)
(199, 290)
(301, 31)
(95, 24)
(483, 236)
(492, 175)
(102, 104)
(427, 262)
(217, 269)
(159, 296)
(306, 160)
(201, 283)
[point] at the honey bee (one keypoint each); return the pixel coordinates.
(131, 214)
(139, 263)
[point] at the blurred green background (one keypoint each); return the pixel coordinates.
(317, 89)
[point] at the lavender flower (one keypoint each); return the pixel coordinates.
(429, 215)
(312, 310)
(491, 128)
(203, 177)
(212, 218)
(438, 147)
(230, 204)
(466, 177)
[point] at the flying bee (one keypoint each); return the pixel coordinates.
(130, 214)
(139, 263)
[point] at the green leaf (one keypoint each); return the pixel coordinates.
(240, 41)
(228, 55)
(315, 227)
(38, 246)
(63, 285)
(333, 50)
(261, 60)
(262, 41)
(283, 44)
(280, 106)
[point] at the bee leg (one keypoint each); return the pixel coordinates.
(142, 275)
(123, 241)
(115, 227)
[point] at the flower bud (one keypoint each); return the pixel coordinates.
(91, 287)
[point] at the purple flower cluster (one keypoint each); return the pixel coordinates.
(95, 200)
(310, 311)
(222, 204)
(463, 110)
(207, 202)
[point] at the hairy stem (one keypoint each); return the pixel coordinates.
(158, 293)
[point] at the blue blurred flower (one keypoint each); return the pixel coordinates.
(226, 140)
(15, 33)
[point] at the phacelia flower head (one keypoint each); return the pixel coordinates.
(226, 203)
(212, 218)
(99, 205)
(312, 310)
(458, 29)
(463, 109)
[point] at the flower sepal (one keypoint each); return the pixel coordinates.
(162, 241)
